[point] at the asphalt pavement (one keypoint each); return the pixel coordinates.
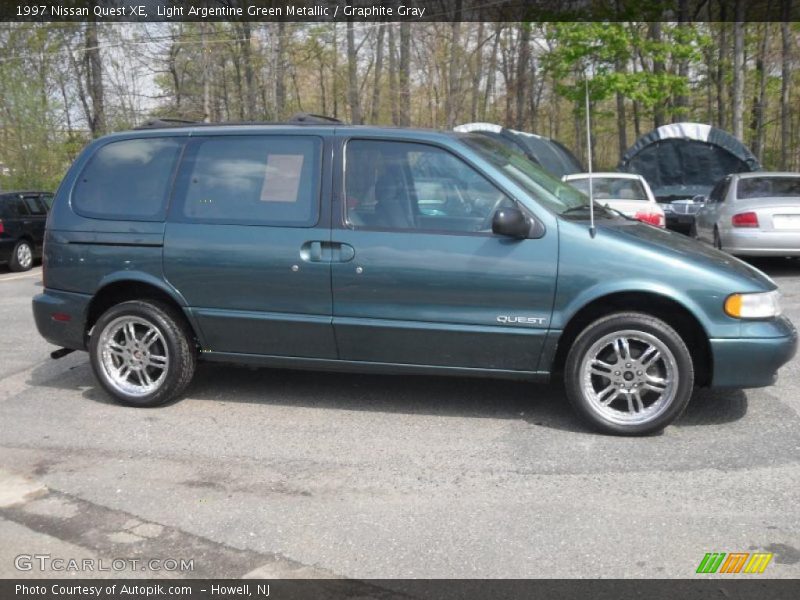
(273, 473)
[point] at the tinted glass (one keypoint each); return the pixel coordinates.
(34, 206)
(608, 188)
(768, 187)
(407, 186)
(47, 199)
(15, 207)
(128, 180)
(251, 180)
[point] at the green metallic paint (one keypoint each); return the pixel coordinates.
(422, 303)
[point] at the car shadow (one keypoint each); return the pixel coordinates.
(539, 404)
(776, 266)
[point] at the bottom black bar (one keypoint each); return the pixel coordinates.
(400, 589)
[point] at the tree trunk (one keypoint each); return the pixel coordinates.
(492, 74)
(335, 83)
(454, 70)
(352, 76)
(393, 92)
(722, 58)
(475, 95)
(280, 72)
(405, 74)
(376, 89)
(760, 97)
(738, 70)
(247, 59)
(786, 84)
(522, 79)
(658, 70)
(622, 117)
(94, 81)
(682, 100)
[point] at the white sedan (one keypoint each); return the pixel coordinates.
(626, 192)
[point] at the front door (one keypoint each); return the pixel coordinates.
(426, 282)
(241, 244)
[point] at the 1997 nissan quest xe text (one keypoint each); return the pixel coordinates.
(326, 246)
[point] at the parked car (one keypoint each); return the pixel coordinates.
(22, 221)
(753, 214)
(305, 246)
(626, 192)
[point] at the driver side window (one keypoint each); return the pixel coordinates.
(400, 186)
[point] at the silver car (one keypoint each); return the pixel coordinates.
(752, 214)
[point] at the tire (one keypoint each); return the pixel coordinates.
(671, 371)
(693, 232)
(159, 365)
(21, 257)
(717, 239)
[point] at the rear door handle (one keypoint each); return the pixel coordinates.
(312, 251)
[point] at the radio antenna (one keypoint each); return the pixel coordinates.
(592, 229)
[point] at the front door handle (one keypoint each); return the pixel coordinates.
(319, 251)
(346, 252)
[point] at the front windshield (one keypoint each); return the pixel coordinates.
(611, 188)
(559, 197)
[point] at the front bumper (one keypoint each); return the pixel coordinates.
(753, 361)
(67, 334)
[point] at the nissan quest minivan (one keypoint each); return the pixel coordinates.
(325, 246)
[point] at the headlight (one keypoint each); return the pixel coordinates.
(668, 207)
(761, 305)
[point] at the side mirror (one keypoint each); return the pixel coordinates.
(511, 223)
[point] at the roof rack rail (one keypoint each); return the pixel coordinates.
(160, 123)
(302, 118)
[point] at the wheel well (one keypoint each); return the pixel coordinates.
(666, 309)
(122, 291)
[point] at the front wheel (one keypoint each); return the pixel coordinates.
(142, 353)
(629, 374)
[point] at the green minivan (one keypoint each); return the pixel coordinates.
(326, 246)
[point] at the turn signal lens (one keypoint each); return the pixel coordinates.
(762, 305)
(745, 219)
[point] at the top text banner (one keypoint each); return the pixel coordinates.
(401, 10)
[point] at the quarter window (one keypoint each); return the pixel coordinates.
(128, 180)
(251, 180)
(408, 186)
(35, 207)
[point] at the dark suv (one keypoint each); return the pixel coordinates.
(22, 222)
(387, 250)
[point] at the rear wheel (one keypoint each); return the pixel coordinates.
(142, 353)
(717, 239)
(629, 374)
(21, 257)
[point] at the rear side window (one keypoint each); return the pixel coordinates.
(128, 180)
(250, 180)
(16, 208)
(768, 187)
(34, 206)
